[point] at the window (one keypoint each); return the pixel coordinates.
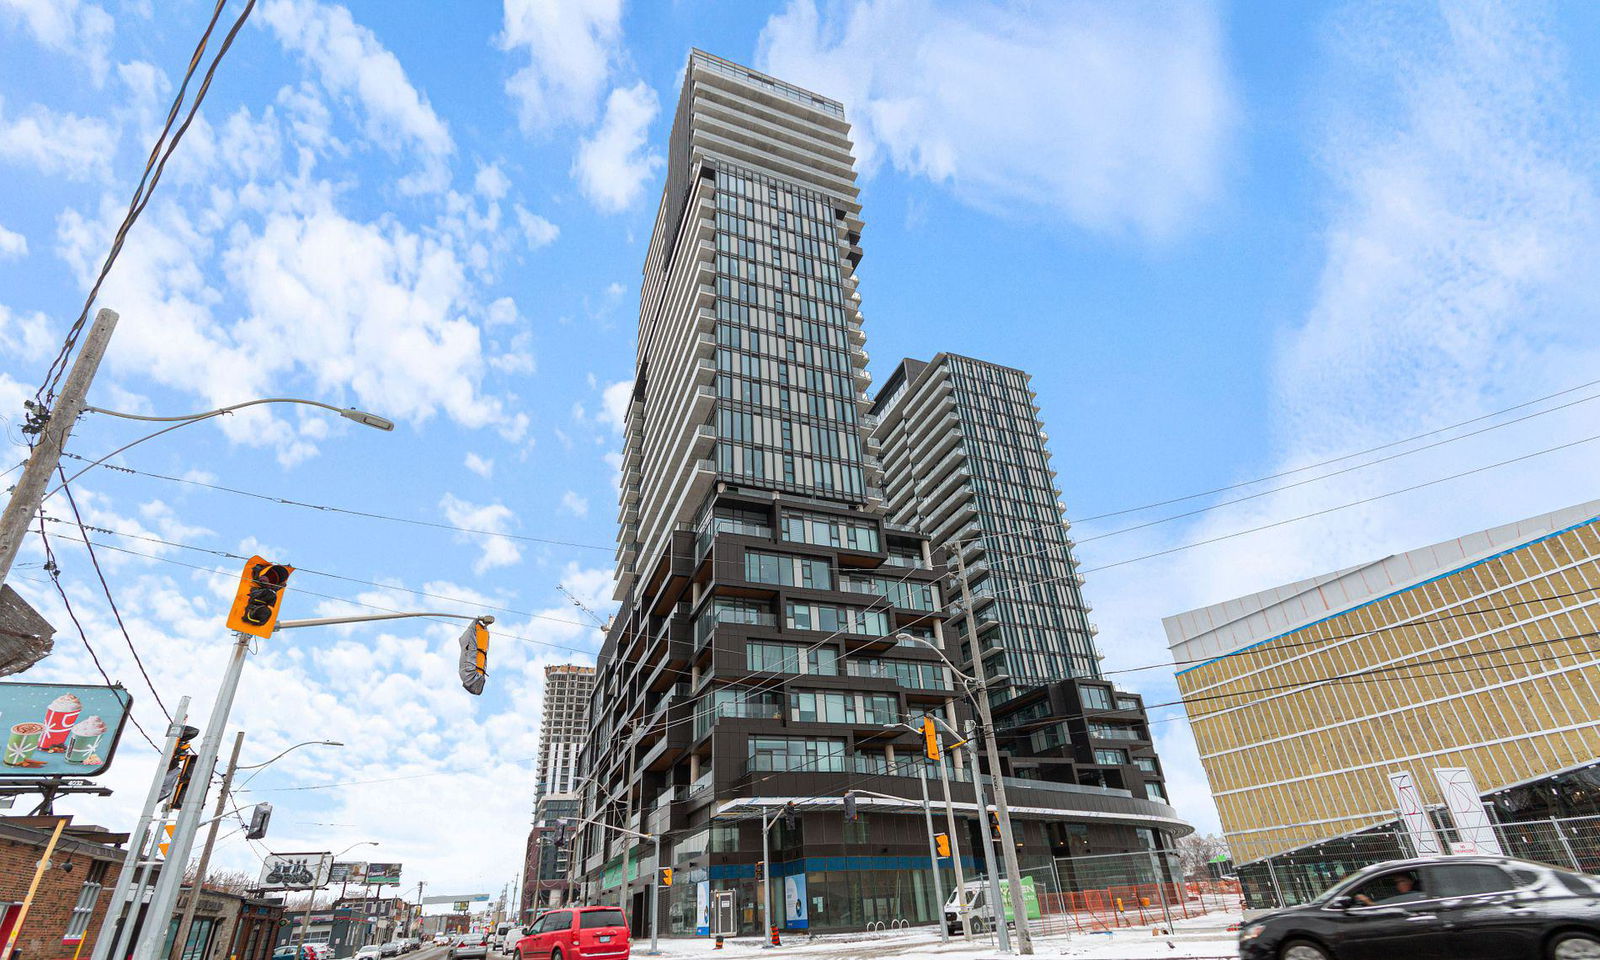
(595, 919)
(1095, 698)
(83, 910)
(1147, 764)
(871, 761)
(909, 673)
(789, 571)
(1112, 757)
(1127, 703)
(1468, 879)
(557, 920)
(1153, 791)
(844, 707)
(791, 658)
(822, 616)
(796, 754)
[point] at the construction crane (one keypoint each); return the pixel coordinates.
(598, 620)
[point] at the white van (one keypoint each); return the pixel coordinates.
(504, 933)
(981, 911)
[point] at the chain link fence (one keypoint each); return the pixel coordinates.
(1286, 879)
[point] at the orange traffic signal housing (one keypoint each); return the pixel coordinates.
(260, 593)
(941, 844)
(930, 738)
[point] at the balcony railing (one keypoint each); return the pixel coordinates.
(706, 622)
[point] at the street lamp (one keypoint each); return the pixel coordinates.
(280, 756)
(349, 413)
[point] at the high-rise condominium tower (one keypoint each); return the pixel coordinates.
(965, 455)
(563, 729)
(771, 622)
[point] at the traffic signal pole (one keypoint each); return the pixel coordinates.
(138, 841)
(933, 853)
(205, 851)
(46, 455)
(165, 896)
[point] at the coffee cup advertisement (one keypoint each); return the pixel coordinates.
(60, 729)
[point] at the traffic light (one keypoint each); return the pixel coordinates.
(260, 816)
(789, 815)
(176, 781)
(850, 815)
(761, 869)
(666, 876)
(930, 738)
(474, 664)
(941, 844)
(994, 825)
(256, 602)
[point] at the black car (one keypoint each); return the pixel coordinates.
(1438, 908)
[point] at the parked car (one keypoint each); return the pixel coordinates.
(288, 951)
(391, 949)
(1459, 907)
(317, 951)
(470, 945)
(578, 933)
(371, 951)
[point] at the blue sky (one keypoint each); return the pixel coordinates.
(1227, 240)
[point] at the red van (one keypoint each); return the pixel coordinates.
(577, 933)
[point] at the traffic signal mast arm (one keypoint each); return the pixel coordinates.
(607, 826)
(332, 621)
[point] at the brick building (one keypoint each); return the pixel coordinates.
(73, 892)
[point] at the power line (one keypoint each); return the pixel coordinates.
(146, 186)
(110, 600)
(54, 570)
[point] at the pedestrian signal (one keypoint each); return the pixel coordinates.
(666, 876)
(941, 843)
(260, 593)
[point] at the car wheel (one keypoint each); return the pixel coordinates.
(555, 954)
(1304, 950)
(979, 928)
(1575, 945)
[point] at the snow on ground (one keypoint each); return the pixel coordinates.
(1201, 937)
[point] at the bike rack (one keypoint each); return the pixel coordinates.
(900, 924)
(875, 926)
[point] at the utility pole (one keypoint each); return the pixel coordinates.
(989, 864)
(933, 853)
(986, 720)
(29, 491)
(955, 849)
(205, 851)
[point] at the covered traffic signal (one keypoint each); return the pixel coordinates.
(260, 816)
(941, 843)
(666, 876)
(474, 664)
(789, 819)
(930, 738)
(176, 781)
(260, 594)
(850, 814)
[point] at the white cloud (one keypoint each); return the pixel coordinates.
(1114, 115)
(479, 465)
(493, 519)
(538, 231)
(614, 402)
(354, 65)
(12, 244)
(574, 504)
(81, 30)
(501, 313)
(615, 162)
(571, 46)
(1456, 280)
(491, 182)
(78, 148)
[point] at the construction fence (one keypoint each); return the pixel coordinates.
(1302, 874)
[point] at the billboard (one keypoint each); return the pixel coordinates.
(354, 871)
(383, 874)
(60, 729)
(294, 871)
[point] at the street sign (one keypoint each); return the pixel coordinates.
(294, 871)
(383, 874)
(60, 729)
